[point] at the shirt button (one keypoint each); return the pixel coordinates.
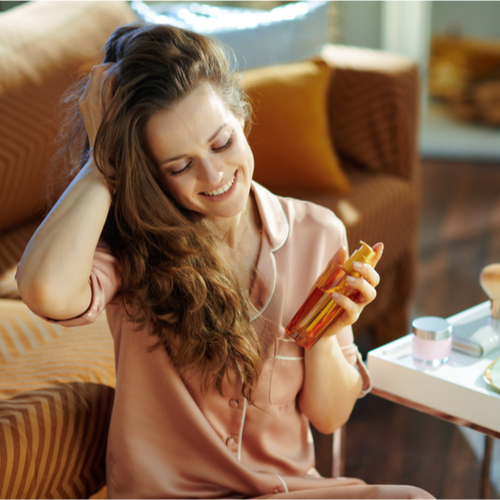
(234, 403)
(276, 491)
(230, 441)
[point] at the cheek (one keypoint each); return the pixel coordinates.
(249, 156)
(244, 152)
(180, 189)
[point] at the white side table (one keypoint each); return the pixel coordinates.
(456, 391)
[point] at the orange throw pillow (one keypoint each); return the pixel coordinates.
(290, 137)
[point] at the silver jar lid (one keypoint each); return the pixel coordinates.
(431, 328)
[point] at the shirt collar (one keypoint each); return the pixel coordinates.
(274, 221)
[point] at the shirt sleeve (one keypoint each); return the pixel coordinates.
(104, 282)
(353, 356)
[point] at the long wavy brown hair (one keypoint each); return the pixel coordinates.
(177, 274)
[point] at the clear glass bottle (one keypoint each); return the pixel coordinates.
(319, 311)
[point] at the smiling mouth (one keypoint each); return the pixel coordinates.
(223, 189)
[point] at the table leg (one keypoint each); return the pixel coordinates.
(485, 476)
(338, 468)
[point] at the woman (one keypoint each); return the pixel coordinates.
(199, 270)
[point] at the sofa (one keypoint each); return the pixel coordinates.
(56, 383)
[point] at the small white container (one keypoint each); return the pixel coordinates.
(432, 340)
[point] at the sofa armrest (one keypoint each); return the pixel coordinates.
(43, 47)
(373, 108)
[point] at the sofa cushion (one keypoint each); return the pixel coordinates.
(380, 207)
(12, 245)
(290, 137)
(56, 394)
(42, 45)
(388, 208)
(373, 108)
(53, 441)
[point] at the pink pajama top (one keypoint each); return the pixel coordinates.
(166, 439)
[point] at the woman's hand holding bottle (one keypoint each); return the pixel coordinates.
(338, 296)
(365, 283)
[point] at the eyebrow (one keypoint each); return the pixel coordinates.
(178, 157)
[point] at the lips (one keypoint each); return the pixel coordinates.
(223, 189)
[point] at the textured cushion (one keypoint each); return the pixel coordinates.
(12, 245)
(388, 210)
(56, 394)
(373, 108)
(53, 441)
(42, 44)
(290, 137)
(379, 208)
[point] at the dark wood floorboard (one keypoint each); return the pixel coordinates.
(460, 234)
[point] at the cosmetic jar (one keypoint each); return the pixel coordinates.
(431, 340)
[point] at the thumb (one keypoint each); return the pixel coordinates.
(379, 249)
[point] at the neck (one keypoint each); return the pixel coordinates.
(243, 225)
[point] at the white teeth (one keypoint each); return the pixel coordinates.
(221, 190)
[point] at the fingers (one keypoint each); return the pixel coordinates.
(352, 302)
(367, 272)
(379, 249)
(362, 288)
(365, 279)
(367, 292)
(96, 88)
(96, 99)
(352, 310)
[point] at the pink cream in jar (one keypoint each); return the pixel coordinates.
(431, 340)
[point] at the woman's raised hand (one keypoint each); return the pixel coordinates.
(365, 284)
(96, 99)
(53, 275)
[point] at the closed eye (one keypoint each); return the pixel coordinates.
(215, 150)
(173, 173)
(225, 146)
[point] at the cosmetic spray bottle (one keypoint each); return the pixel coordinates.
(320, 311)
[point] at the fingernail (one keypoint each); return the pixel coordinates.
(350, 279)
(357, 265)
(335, 295)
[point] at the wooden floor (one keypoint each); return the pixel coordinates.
(460, 234)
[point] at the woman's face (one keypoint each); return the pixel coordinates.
(202, 153)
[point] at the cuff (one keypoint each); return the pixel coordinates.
(365, 376)
(353, 356)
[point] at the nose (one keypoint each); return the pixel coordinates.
(211, 172)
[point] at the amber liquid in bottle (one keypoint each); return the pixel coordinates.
(319, 311)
